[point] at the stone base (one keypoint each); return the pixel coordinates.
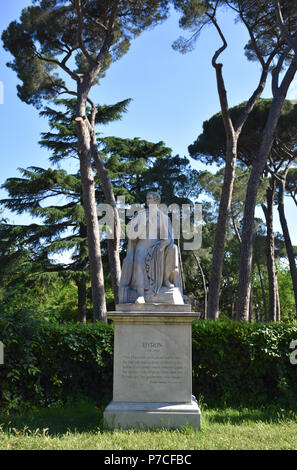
(152, 379)
(166, 295)
(152, 308)
(152, 415)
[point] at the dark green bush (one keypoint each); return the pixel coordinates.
(244, 363)
(48, 363)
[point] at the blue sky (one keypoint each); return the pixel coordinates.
(172, 95)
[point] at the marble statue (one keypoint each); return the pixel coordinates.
(151, 271)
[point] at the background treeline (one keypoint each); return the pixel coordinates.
(30, 272)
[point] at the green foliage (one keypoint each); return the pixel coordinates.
(47, 363)
(259, 17)
(26, 250)
(286, 293)
(136, 166)
(61, 140)
(210, 146)
(291, 184)
(50, 29)
(243, 363)
(59, 297)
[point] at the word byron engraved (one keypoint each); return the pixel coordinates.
(154, 370)
(152, 345)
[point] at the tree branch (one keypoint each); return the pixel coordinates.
(223, 47)
(220, 80)
(109, 36)
(276, 71)
(80, 32)
(284, 30)
(62, 64)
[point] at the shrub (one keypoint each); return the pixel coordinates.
(47, 362)
(244, 363)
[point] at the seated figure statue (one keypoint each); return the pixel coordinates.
(151, 271)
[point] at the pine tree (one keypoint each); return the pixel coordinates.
(79, 39)
(265, 45)
(210, 147)
(134, 166)
(62, 142)
(63, 228)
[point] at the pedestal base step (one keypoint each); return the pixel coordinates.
(152, 415)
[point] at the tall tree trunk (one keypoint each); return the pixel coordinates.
(246, 247)
(113, 244)
(115, 268)
(232, 136)
(263, 292)
(219, 243)
(246, 252)
(204, 284)
(278, 307)
(81, 282)
(95, 259)
(251, 307)
(81, 300)
(287, 238)
(270, 253)
(231, 292)
(89, 203)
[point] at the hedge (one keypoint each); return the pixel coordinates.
(48, 363)
(244, 363)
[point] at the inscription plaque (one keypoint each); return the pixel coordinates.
(151, 362)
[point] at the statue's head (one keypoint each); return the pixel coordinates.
(153, 198)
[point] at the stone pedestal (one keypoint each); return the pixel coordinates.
(152, 368)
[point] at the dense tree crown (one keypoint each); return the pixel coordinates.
(210, 146)
(75, 36)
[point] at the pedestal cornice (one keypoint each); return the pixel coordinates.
(149, 318)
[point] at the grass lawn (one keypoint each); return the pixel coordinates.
(79, 427)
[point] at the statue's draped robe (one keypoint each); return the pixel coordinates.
(157, 264)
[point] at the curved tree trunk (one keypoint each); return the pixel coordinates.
(232, 136)
(246, 252)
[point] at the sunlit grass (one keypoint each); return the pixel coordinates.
(80, 427)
